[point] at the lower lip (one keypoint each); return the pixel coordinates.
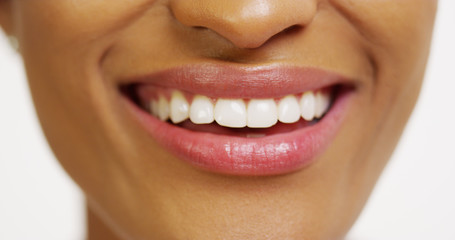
(270, 155)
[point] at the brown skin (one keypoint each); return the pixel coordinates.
(76, 53)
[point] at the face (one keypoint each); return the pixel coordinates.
(239, 119)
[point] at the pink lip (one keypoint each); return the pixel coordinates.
(242, 82)
(274, 154)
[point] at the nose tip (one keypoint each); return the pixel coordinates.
(245, 23)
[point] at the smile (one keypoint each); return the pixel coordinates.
(241, 121)
(238, 113)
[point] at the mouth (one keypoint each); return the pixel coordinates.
(241, 121)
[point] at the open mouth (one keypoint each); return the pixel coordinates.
(251, 118)
(272, 121)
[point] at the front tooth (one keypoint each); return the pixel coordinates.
(201, 110)
(322, 103)
(163, 108)
(289, 110)
(179, 107)
(307, 106)
(262, 113)
(230, 113)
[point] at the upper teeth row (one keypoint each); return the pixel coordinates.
(235, 113)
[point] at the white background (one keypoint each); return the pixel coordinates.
(414, 199)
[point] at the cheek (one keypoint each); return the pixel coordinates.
(72, 22)
(393, 26)
(398, 34)
(62, 42)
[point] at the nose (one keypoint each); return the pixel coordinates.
(245, 23)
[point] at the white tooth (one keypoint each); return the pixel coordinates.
(201, 110)
(289, 110)
(163, 108)
(307, 106)
(154, 108)
(262, 113)
(230, 113)
(179, 107)
(322, 103)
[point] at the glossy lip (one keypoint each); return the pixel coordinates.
(220, 81)
(271, 155)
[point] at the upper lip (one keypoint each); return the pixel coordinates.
(226, 81)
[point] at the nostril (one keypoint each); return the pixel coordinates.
(246, 23)
(200, 28)
(292, 29)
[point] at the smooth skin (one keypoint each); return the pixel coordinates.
(76, 53)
